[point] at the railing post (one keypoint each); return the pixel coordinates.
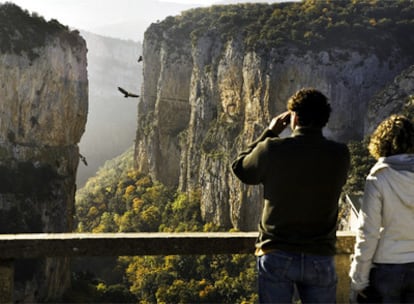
(345, 247)
(6, 281)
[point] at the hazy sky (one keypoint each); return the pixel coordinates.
(123, 19)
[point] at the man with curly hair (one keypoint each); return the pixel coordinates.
(302, 175)
(384, 250)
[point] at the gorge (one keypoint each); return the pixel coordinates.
(212, 80)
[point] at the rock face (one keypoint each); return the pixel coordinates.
(43, 111)
(397, 97)
(206, 97)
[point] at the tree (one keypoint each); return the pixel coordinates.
(361, 163)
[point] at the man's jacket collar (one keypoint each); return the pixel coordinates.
(307, 131)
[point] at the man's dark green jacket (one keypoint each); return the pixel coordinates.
(302, 177)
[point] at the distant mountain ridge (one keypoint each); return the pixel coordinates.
(137, 19)
(112, 119)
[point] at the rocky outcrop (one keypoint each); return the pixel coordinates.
(43, 111)
(205, 97)
(397, 97)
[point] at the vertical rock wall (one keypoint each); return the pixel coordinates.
(43, 111)
(228, 94)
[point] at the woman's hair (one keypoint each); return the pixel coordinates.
(311, 107)
(394, 135)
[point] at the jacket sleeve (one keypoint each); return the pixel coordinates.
(368, 234)
(250, 165)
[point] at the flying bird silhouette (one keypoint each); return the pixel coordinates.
(83, 159)
(126, 93)
(140, 59)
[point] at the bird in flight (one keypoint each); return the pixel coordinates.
(140, 59)
(126, 93)
(83, 159)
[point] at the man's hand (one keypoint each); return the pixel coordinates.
(280, 122)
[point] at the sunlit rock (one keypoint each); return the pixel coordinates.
(208, 93)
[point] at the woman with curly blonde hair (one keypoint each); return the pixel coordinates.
(384, 249)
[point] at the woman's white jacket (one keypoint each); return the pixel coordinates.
(386, 218)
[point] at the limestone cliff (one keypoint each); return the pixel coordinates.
(213, 78)
(43, 111)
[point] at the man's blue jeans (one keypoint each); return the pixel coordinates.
(314, 277)
(394, 282)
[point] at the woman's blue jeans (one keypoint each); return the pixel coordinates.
(280, 272)
(394, 282)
